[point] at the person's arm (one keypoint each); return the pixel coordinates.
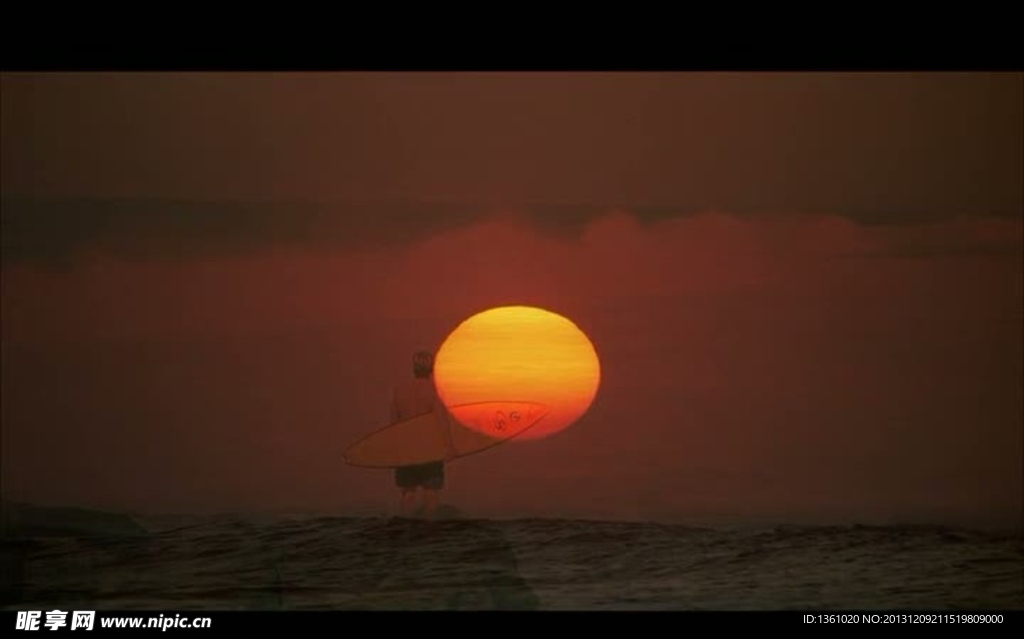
(444, 421)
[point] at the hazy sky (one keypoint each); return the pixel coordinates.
(805, 289)
(876, 145)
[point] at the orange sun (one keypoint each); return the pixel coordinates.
(520, 353)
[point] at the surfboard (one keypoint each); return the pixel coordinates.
(474, 428)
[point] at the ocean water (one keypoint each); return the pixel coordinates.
(321, 562)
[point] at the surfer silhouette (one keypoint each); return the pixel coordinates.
(412, 398)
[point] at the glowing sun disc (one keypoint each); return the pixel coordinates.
(520, 353)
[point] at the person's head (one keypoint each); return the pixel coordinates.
(423, 364)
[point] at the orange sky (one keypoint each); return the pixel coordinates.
(805, 289)
(794, 364)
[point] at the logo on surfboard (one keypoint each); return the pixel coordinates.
(500, 420)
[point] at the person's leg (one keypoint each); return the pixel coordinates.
(432, 487)
(406, 479)
(408, 502)
(430, 501)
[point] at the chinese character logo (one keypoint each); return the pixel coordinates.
(56, 619)
(28, 620)
(83, 619)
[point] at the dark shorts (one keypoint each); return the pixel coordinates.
(430, 475)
